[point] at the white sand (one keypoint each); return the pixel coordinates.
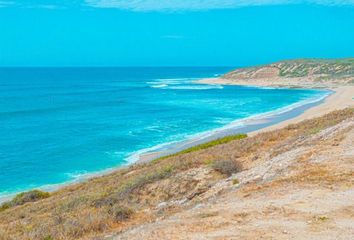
(340, 99)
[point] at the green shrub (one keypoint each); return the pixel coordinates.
(209, 162)
(5, 206)
(25, 197)
(206, 145)
(31, 196)
(235, 181)
(314, 130)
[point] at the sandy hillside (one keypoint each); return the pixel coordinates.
(289, 183)
(306, 73)
(306, 192)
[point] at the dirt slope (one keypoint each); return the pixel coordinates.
(306, 192)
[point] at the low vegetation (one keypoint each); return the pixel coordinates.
(227, 167)
(121, 213)
(22, 198)
(322, 69)
(206, 145)
(302, 68)
(140, 193)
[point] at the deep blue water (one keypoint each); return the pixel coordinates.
(59, 123)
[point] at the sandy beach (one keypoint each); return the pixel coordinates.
(343, 97)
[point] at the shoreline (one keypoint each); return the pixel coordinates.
(335, 99)
(342, 97)
(249, 125)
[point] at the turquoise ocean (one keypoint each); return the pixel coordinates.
(60, 124)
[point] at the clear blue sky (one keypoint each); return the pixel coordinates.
(172, 33)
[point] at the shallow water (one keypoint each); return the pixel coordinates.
(57, 124)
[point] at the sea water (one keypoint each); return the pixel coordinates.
(57, 124)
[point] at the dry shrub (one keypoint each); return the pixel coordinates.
(74, 203)
(120, 213)
(227, 167)
(144, 179)
(4, 236)
(79, 226)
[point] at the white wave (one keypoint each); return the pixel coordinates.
(195, 87)
(160, 86)
(135, 156)
(175, 79)
(222, 120)
(76, 174)
(170, 81)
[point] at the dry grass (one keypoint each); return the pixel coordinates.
(120, 200)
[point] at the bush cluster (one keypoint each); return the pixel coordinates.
(25, 197)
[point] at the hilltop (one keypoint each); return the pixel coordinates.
(309, 73)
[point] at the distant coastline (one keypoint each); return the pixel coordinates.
(331, 76)
(336, 75)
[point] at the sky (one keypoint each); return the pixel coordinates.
(172, 33)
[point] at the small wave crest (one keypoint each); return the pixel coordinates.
(196, 87)
(180, 84)
(160, 86)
